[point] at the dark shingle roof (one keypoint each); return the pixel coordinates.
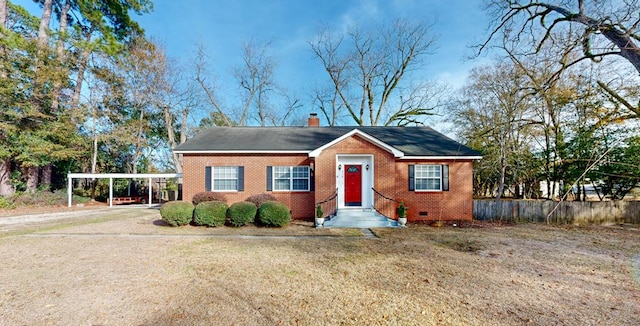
(412, 141)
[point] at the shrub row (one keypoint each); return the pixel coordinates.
(216, 213)
(216, 196)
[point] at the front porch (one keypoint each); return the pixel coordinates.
(359, 218)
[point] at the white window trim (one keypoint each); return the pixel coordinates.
(291, 178)
(213, 179)
(415, 179)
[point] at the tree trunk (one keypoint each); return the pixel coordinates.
(503, 172)
(32, 178)
(3, 24)
(82, 66)
(94, 161)
(43, 31)
(3, 13)
(6, 188)
(45, 180)
(137, 148)
(168, 121)
(55, 99)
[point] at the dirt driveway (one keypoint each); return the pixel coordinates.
(124, 267)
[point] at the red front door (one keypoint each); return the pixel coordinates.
(353, 185)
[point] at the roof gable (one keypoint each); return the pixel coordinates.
(396, 153)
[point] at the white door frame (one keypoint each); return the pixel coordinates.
(367, 178)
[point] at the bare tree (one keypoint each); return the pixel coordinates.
(201, 78)
(366, 69)
(262, 100)
(327, 100)
(552, 97)
(494, 114)
(255, 78)
(179, 98)
(592, 30)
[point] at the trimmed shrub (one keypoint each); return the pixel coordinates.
(210, 213)
(242, 213)
(260, 198)
(205, 196)
(274, 213)
(177, 213)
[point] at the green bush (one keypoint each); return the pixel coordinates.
(242, 213)
(260, 198)
(205, 196)
(177, 213)
(210, 213)
(274, 213)
(8, 203)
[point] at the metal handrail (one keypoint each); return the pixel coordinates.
(383, 196)
(334, 207)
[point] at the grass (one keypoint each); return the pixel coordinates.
(462, 245)
(59, 225)
(421, 275)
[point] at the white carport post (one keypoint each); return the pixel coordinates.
(110, 192)
(69, 192)
(150, 191)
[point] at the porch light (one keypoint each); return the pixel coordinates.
(311, 166)
(367, 167)
(339, 166)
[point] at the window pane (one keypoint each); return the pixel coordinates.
(301, 184)
(433, 171)
(300, 171)
(281, 184)
(281, 172)
(292, 178)
(421, 184)
(428, 176)
(433, 184)
(225, 178)
(225, 184)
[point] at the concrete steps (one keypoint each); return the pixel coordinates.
(359, 218)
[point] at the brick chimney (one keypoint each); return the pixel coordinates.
(314, 121)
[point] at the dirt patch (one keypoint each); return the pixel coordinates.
(124, 267)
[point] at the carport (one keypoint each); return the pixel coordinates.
(111, 176)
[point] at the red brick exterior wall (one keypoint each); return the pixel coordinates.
(455, 204)
(390, 179)
(255, 178)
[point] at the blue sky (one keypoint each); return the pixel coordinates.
(223, 26)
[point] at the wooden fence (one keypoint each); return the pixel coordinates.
(525, 211)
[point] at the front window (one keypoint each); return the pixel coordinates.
(428, 177)
(291, 178)
(225, 178)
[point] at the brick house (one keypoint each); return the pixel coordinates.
(355, 167)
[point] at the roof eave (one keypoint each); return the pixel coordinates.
(462, 157)
(240, 152)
